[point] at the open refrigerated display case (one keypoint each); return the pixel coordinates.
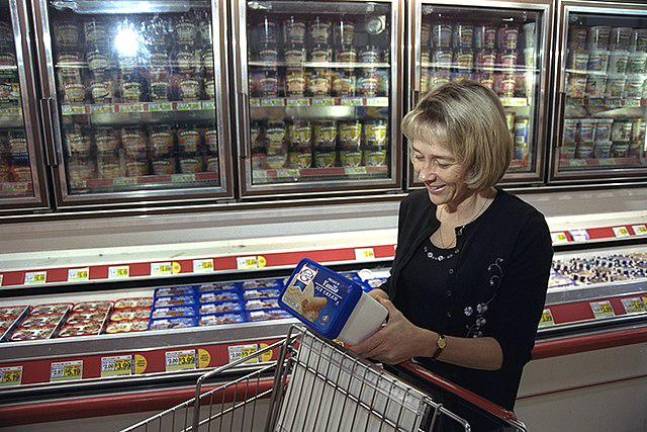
(22, 177)
(317, 88)
(599, 113)
(504, 46)
(137, 100)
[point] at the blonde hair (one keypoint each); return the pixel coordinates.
(470, 120)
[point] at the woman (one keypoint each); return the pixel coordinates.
(469, 279)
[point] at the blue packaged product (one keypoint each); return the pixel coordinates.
(262, 283)
(172, 323)
(262, 304)
(220, 296)
(174, 301)
(173, 312)
(268, 315)
(221, 307)
(220, 319)
(330, 304)
(261, 293)
(218, 286)
(186, 290)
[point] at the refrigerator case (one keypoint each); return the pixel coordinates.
(317, 95)
(600, 76)
(22, 180)
(138, 103)
(504, 46)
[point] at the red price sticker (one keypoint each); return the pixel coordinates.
(602, 309)
(35, 278)
(633, 305)
(621, 232)
(66, 371)
(78, 275)
(10, 376)
(547, 319)
(559, 237)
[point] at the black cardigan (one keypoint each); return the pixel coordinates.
(503, 264)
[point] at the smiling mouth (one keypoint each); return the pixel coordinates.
(434, 188)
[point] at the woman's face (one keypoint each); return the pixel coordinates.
(438, 169)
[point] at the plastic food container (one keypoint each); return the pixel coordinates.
(331, 304)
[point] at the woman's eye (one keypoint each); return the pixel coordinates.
(419, 158)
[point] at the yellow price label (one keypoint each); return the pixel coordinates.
(620, 232)
(602, 309)
(78, 275)
(262, 262)
(203, 266)
(180, 360)
(116, 366)
(66, 371)
(559, 237)
(140, 364)
(266, 357)
(251, 262)
(119, 272)
(10, 376)
(161, 269)
(363, 254)
(640, 229)
(35, 278)
(204, 358)
(633, 305)
(547, 319)
(177, 267)
(237, 352)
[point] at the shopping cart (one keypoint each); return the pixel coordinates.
(314, 385)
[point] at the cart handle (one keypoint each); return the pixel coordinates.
(471, 397)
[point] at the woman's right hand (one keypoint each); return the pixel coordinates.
(378, 294)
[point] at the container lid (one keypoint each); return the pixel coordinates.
(320, 298)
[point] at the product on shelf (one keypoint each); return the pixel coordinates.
(127, 326)
(220, 319)
(271, 303)
(172, 323)
(134, 303)
(268, 315)
(173, 312)
(220, 307)
(220, 296)
(121, 315)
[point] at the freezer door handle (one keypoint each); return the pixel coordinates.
(244, 133)
(53, 147)
(560, 120)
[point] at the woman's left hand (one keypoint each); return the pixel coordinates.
(398, 341)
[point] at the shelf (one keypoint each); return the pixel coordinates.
(11, 118)
(152, 181)
(319, 8)
(85, 7)
(142, 112)
(315, 107)
(9, 189)
(605, 107)
(268, 176)
(327, 65)
(509, 69)
(516, 164)
(602, 163)
(604, 74)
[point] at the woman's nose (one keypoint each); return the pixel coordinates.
(426, 173)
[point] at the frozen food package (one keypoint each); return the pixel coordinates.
(127, 326)
(130, 314)
(268, 315)
(218, 286)
(173, 301)
(50, 309)
(220, 296)
(187, 290)
(221, 307)
(40, 321)
(92, 307)
(261, 293)
(261, 304)
(134, 303)
(262, 283)
(11, 312)
(331, 304)
(172, 323)
(220, 319)
(24, 334)
(173, 312)
(80, 317)
(80, 329)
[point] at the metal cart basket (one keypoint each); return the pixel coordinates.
(314, 386)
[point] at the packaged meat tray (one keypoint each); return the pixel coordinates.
(134, 303)
(21, 334)
(268, 315)
(182, 300)
(262, 304)
(84, 329)
(173, 312)
(11, 312)
(130, 315)
(34, 322)
(50, 309)
(187, 290)
(263, 293)
(263, 283)
(220, 296)
(220, 319)
(221, 307)
(78, 317)
(172, 323)
(127, 326)
(92, 307)
(218, 286)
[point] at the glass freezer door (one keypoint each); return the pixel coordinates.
(503, 48)
(21, 178)
(317, 96)
(603, 78)
(140, 99)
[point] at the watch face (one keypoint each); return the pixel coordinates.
(442, 342)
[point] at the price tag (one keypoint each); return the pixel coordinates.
(77, 109)
(66, 109)
(119, 272)
(188, 106)
(639, 229)
(323, 101)
(208, 105)
(602, 309)
(78, 275)
(633, 305)
(547, 319)
(260, 175)
(160, 106)
(239, 351)
(355, 101)
(255, 102)
(579, 235)
(101, 108)
(363, 254)
(161, 269)
(180, 360)
(124, 181)
(35, 278)
(10, 376)
(354, 171)
(378, 101)
(297, 102)
(576, 163)
(116, 366)
(559, 237)
(131, 108)
(66, 371)
(287, 173)
(251, 262)
(272, 102)
(183, 178)
(203, 266)
(621, 232)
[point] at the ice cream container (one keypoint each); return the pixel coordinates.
(621, 131)
(601, 149)
(634, 86)
(172, 323)
(267, 315)
(331, 304)
(587, 130)
(567, 151)
(173, 301)
(598, 60)
(620, 38)
(173, 312)
(616, 86)
(220, 319)
(596, 85)
(578, 60)
(584, 151)
(577, 37)
(220, 307)
(261, 293)
(618, 62)
(637, 62)
(576, 85)
(603, 130)
(598, 38)
(256, 304)
(619, 149)
(220, 296)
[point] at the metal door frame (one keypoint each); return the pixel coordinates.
(22, 41)
(322, 187)
(53, 130)
(546, 54)
(564, 9)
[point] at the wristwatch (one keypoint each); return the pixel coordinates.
(441, 344)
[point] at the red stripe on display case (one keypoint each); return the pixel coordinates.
(574, 345)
